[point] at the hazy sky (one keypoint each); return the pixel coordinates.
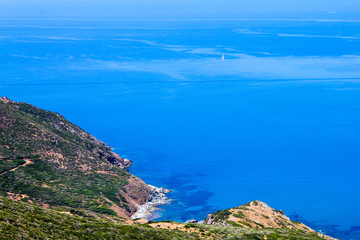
(167, 8)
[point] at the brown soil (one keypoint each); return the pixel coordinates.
(17, 196)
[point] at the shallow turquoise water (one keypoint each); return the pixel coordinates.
(277, 120)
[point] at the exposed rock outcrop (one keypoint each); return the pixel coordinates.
(157, 198)
(5, 100)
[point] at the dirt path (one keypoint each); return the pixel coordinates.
(27, 162)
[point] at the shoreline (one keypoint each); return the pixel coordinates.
(157, 198)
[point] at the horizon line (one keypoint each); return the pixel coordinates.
(179, 19)
(240, 80)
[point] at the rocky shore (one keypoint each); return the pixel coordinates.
(157, 198)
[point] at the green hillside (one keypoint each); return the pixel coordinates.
(27, 221)
(45, 159)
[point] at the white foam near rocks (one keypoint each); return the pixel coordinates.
(157, 198)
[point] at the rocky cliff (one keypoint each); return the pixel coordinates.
(48, 160)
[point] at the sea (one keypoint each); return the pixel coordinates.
(220, 111)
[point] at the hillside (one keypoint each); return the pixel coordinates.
(47, 160)
(27, 221)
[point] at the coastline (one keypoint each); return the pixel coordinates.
(157, 198)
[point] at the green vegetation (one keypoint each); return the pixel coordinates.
(28, 221)
(280, 211)
(8, 164)
(104, 210)
(74, 189)
(234, 232)
(235, 224)
(244, 223)
(239, 214)
(221, 215)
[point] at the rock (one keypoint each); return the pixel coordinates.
(157, 198)
(159, 190)
(192, 221)
(127, 162)
(164, 190)
(209, 219)
(5, 100)
(115, 159)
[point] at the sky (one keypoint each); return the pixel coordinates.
(139, 9)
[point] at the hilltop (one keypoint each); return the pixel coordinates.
(257, 214)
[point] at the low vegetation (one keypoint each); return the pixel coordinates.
(221, 215)
(28, 221)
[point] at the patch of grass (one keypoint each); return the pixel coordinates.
(239, 214)
(26, 221)
(235, 224)
(244, 223)
(190, 225)
(104, 210)
(280, 211)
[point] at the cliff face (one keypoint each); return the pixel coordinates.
(257, 214)
(48, 160)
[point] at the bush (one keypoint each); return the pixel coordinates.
(104, 210)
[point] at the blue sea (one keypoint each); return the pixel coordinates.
(222, 112)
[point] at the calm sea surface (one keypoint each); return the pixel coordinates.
(277, 120)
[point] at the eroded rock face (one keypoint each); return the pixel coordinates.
(5, 100)
(114, 158)
(192, 221)
(157, 198)
(209, 219)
